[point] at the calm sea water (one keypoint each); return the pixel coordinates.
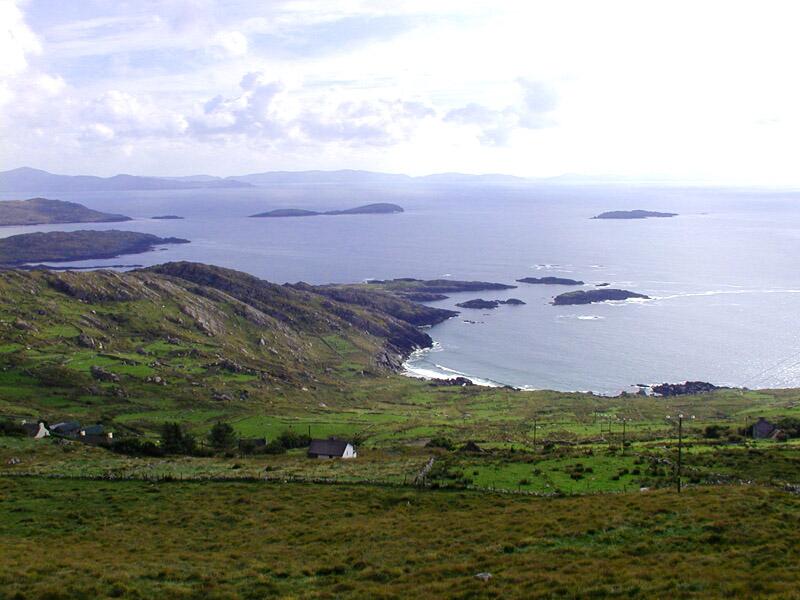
(723, 275)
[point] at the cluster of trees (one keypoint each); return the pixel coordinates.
(222, 438)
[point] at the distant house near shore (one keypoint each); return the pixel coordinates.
(36, 430)
(764, 430)
(95, 435)
(331, 448)
(66, 428)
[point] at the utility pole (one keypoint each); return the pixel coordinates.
(680, 417)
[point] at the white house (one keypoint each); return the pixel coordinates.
(36, 430)
(331, 448)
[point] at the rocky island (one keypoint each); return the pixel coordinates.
(61, 246)
(409, 285)
(634, 214)
(480, 303)
(592, 296)
(42, 211)
(167, 218)
(550, 281)
(381, 208)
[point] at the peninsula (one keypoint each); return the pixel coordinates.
(61, 246)
(42, 211)
(592, 296)
(634, 214)
(550, 281)
(381, 208)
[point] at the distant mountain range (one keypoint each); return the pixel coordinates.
(26, 179)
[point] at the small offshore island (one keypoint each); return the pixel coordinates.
(431, 290)
(550, 281)
(480, 303)
(65, 246)
(592, 296)
(380, 208)
(42, 211)
(634, 214)
(167, 218)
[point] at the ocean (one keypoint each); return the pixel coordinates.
(722, 275)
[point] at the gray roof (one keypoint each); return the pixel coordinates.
(66, 427)
(93, 429)
(328, 447)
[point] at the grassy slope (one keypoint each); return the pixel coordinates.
(67, 539)
(36, 211)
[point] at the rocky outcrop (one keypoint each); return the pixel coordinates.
(683, 389)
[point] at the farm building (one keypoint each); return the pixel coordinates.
(67, 428)
(35, 430)
(331, 448)
(763, 429)
(95, 435)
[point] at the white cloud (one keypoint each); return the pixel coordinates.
(230, 43)
(17, 41)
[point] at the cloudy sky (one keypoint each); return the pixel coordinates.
(677, 89)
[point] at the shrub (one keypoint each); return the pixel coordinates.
(135, 447)
(291, 439)
(222, 436)
(440, 442)
(174, 440)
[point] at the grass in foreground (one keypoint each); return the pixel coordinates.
(71, 539)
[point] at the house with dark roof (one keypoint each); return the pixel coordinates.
(763, 429)
(36, 430)
(66, 428)
(331, 448)
(95, 435)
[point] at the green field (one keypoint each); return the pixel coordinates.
(72, 538)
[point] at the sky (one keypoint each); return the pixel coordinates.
(641, 89)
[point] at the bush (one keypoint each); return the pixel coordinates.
(291, 439)
(440, 442)
(174, 440)
(136, 447)
(222, 436)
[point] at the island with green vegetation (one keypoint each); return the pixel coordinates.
(431, 290)
(550, 281)
(601, 295)
(634, 214)
(43, 211)
(215, 382)
(65, 246)
(381, 208)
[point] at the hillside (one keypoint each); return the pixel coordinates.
(42, 211)
(62, 246)
(184, 333)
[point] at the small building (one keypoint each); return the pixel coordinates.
(92, 430)
(36, 430)
(67, 428)
(763, 429)
(331, 448)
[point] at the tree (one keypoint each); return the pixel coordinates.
(222, 436)
(175, 441)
